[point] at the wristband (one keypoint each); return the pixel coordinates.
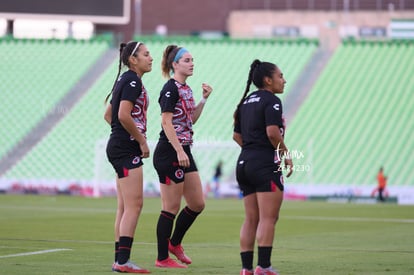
(203, 100)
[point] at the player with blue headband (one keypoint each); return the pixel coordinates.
(180, 54)
(177, 171)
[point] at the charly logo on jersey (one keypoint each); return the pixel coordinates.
(167, 94)
(136, 160)
(276, 107)
(179, 174)
(133, 83)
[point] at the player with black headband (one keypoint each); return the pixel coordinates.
(173, 160)
(259, 129)
(127, 146)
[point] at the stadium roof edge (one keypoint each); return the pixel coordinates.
(156, 38)
(352, 41)
(96, 38)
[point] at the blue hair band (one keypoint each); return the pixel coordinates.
(180, 54)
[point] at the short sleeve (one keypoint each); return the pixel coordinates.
(132, 90)
(273, 112)
(168, 97)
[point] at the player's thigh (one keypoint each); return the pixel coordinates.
(251, 208)
(171, 195)
(131, 187)
(269, 204)
(120, 200)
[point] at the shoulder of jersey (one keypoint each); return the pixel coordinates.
(132, 79)
(169, 86)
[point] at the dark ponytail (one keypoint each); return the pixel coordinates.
(262, 70)
(121, 48)
(125, 51)
(167, 59)
(256, 63)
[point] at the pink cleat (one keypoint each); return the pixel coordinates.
(178, 251)
(169, 263)
(129, 267)
(265, 271)
(246, 272)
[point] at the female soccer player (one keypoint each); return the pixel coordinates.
(127, 146)
(259, 129)
(173, 160)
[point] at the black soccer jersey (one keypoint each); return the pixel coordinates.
(129, 87)
(178, 99)
(259, 110)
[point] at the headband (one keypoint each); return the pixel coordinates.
(136, 47)
(180, 54)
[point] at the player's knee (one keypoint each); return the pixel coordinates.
(135, 206)
(199, 207)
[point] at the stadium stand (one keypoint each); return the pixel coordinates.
(74, 150)
(358, 117)
(36, 74)
(355, 119)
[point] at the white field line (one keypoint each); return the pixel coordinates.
(34, 253)
(347, 219)
(212, 213)
(60, 209)
(70, 209)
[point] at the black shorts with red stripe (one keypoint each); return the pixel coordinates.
(166, 163)
(258, 176)
(123, 158)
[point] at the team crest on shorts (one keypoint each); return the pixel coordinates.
(136, 160)
(179, 173)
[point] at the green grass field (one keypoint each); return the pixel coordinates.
(311, 237)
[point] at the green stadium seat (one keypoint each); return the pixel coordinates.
(36, 74)
(73, 145)
(356, 117)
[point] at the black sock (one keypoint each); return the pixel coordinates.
(125, 244)
(247, 259)
(116, 251)
(265, 252)
(164, 229)
(184, 221)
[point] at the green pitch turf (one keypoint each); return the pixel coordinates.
(73, 235)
